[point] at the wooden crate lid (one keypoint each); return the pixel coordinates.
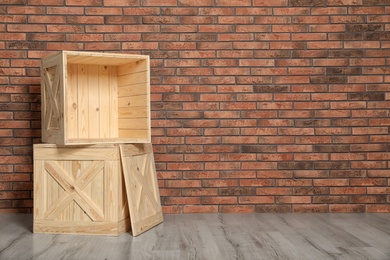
(141, 187)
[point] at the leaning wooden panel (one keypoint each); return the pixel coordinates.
(81, 92)
(141, 187)
(79, 190)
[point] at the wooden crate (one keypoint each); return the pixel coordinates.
(90, 189)
(92, 98)
(79, 190)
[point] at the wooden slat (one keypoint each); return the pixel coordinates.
(111, 191)
(135, 123)
(133, 112)
(129, 150)
(133, 101)
(82, 100)
(39, 190)
(72, 102)
(68, 169)
(133, 67)
(104, 102)
(93, 102)
(82, 227)
(132, 90)
(137, 136)
(91, 170)
(113, 86)
(102, 58)
(141, 189)
(76, 154)
(132, 79)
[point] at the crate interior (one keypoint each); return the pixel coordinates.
(107, 99)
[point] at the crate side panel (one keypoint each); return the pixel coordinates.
(52, 92)
(134, 101)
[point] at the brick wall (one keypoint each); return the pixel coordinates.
(257, 105)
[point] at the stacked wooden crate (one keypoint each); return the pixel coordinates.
(95, 174)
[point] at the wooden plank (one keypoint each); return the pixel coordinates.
(141, 189)
(67, 166)
(77, 153)
(71, 104)
(82, 101)
(104, 102)
(133, 123)
(133, 90)
(93, 102)
(134, 136)
(133, 67)
(132, 79)
(133, 101)
(113, 87)
(129, 150)
(111, 194)
(82, 227)
(39, 190)
(102, 58)
(133, 112)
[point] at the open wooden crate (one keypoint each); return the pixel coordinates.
(92, 98)
(95, 190)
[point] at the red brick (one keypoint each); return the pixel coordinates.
(366, 10)
(378, 190)
(105, 11)
(46, 3)
(213, 11)
(180, 200)
(222, 165)
(256, 200)
(219, 200)
(368, 182)
(378, 208)
(233, 2)
(309, 208)
(65, 10)
(253, 11)
(171, 209)
(200, 209)
(346, 208)
(159, 3)
(200, 192)
(273, 191)
(293, 183)
(121, 2)
(237, 209)
(293, 199)
(343, 2)
(268, 3)
(84, 2)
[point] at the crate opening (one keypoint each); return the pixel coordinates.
(106, 98)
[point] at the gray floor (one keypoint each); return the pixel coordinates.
(213, 236)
